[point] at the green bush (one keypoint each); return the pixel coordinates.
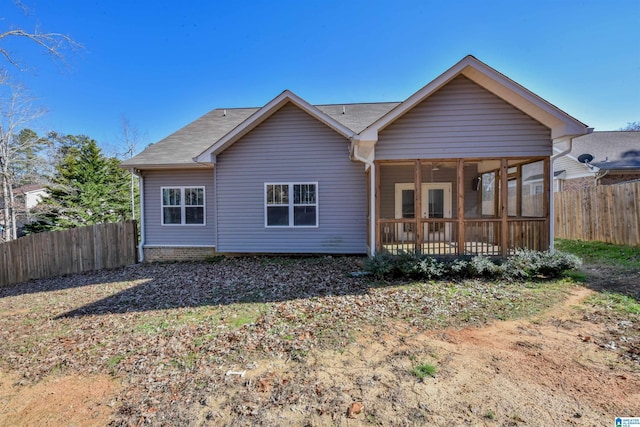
(380, 266)
(524, 264)
(529, 264)
(430, 268)
(459, 269)
(482, 266)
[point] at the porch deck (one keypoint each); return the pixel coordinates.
(456, 207)
(466, 237)
(444, 248)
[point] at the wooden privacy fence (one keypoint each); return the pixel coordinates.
(607, 213)
(70, 251)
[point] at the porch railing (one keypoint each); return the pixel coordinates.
(482, 236)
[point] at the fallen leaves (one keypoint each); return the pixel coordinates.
(171, 332)
(354, 409)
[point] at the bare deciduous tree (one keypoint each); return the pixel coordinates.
(17, 109)
(632, 127)
(54, 44)
(130, 138)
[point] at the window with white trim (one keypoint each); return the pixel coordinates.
(291, 204)
(183, 206)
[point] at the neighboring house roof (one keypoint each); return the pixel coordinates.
(194, 144)
(611, 150)
(24, 189)
(540, 176)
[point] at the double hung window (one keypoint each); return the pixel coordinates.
(183, 206)
(291, 204)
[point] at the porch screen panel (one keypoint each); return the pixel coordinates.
(533, 189)
(489, 193)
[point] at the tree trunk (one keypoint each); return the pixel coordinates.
(12, 210)
(133, 198)
(5, 202)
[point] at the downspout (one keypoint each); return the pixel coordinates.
(142, 234)
(552, 224)
(372, 199)
(599, 176)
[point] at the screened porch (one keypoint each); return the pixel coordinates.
(462, 206)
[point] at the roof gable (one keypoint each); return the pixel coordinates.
(560, 123)
(263, 114)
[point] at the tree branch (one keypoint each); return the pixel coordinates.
(52, 43)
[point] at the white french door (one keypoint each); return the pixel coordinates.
(436, 203)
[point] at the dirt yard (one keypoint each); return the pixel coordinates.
(312, 346)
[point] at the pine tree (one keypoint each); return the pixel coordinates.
(88, 188)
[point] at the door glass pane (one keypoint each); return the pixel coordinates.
(408, 204)
(436, 203)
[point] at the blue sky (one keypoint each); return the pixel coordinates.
(165, 63)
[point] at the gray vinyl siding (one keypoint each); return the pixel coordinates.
(157, 234)
(292, 147)
(463, 120)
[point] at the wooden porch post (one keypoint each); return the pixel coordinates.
(545, 236)
(504, 203)
(460, 210)
(417, 193)
(378, 241)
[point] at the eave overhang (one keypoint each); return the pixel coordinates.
(166, 166)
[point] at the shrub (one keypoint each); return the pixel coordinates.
(430, 268)
(380, 266)
(408, 265)
(485, 267)
(524, 264)
(529, 264)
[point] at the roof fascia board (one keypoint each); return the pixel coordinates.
(263, 114)
(168, 166)
(560, 123)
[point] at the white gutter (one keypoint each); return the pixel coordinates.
(552, 224)
(142, 234)
(372, 199)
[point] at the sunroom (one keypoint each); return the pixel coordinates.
(456, 207)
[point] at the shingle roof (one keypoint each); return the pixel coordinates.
(357, 116)
(182, 146)
(607, 145)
